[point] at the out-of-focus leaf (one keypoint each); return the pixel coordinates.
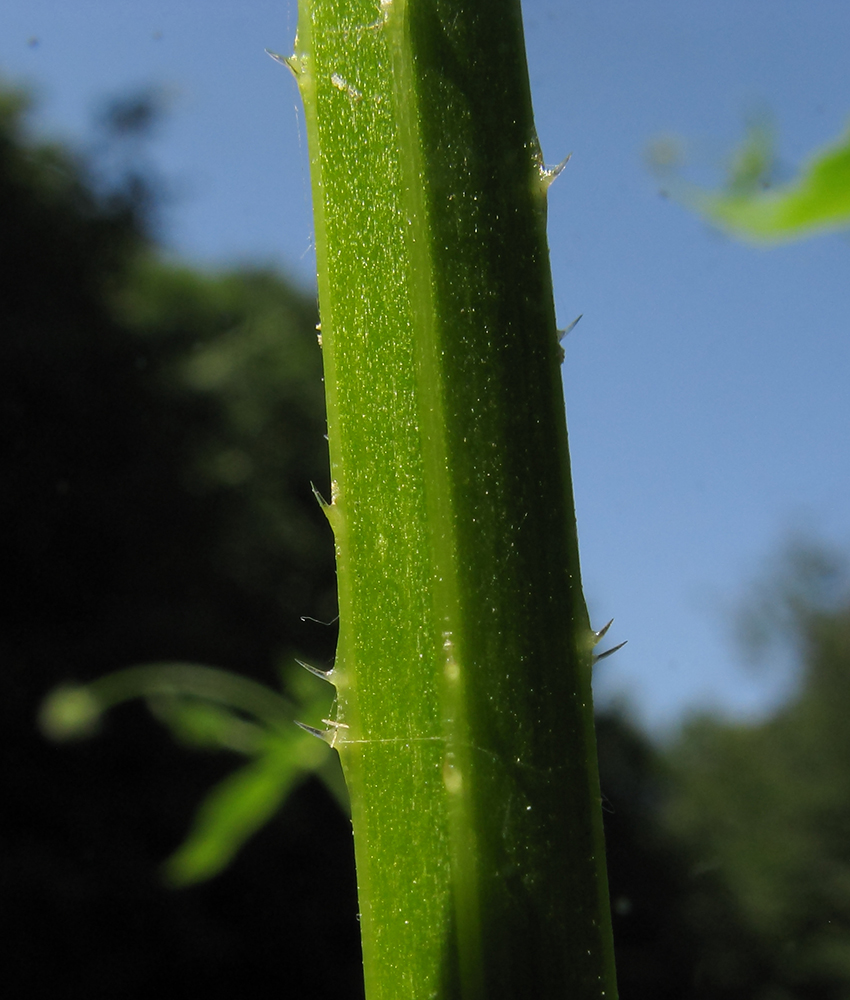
(330, 774)
(69, 712)
(815, 202)
(203, 706)
(240, 804)
(208, 726)
(216, 710)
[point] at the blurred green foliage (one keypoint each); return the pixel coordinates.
(214, 710)
(160, 431)
(763, 809)
(756, 210)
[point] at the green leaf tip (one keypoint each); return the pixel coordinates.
(237, 807)
(70, 712)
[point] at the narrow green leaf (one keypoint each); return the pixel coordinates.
(239, 806)
(207, 726)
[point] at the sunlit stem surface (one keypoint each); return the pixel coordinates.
(463, 716)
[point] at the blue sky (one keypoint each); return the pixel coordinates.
(707, 384)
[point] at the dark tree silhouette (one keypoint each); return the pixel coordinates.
(160, 431)
(763, 810)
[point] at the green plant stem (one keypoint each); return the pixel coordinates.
(464, 711)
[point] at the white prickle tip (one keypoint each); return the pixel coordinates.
(333, 735)
(319, 498)
(598, 635)
(548, 174)
(568, 329)
(563, 333)
(325, 675)
(292, 63)
(608, 652)
(320, 734)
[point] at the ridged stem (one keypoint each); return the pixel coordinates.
(464, 712)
